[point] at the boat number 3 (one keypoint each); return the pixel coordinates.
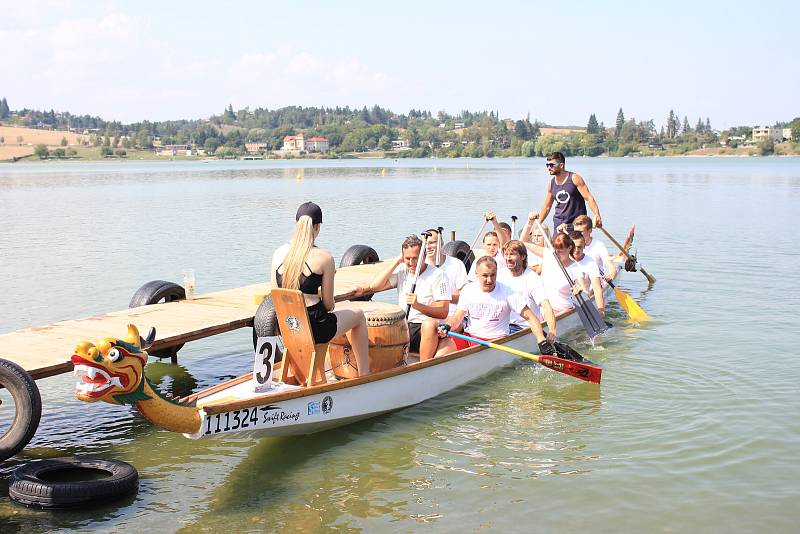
(264, 359)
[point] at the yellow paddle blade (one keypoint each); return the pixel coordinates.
(634, 311)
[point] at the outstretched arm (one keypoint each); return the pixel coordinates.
(381, 280)
(583, 189)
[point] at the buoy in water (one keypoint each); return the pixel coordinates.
(298, 177)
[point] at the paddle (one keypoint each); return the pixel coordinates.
(634, 311)
(439, 241)
(420, 261)
(582, 370)
(591, 319)
(472, 246)
(650, 278)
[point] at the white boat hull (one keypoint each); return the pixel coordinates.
(339, 406)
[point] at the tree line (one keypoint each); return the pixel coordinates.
(348, 130)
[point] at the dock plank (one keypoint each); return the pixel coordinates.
(45, 350)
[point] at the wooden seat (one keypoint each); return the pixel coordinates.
(304, 361)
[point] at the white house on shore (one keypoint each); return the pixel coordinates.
(317, 144)
(295, 144)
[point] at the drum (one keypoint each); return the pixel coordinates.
(388, 339)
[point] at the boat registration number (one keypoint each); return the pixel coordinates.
(259, 416)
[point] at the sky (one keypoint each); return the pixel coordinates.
(733, 62)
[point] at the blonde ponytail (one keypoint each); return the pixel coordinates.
(301, 244)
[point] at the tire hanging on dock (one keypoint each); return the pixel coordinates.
(461, 251)
(154, 292)
(265, 323)
(28, 405)
(72, 482)
(359, 255)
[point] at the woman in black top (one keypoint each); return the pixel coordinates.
(301, 265)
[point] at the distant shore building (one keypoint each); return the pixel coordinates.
(764, 134)
(317, 144)
(787, 134)
(255, 148)
(175, 150)
(294, 143)
(401, 144)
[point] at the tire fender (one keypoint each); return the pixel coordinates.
(32, 484)
(461, 251)
(359, 255)
(154, 292)
(28, 408)
(265, 323)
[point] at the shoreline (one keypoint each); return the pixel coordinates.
(36, 161)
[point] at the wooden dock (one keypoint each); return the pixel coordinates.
(46, 350)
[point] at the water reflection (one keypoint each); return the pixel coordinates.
(345, 474)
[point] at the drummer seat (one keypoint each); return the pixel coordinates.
(304, 362)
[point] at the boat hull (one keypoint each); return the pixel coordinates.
(318, 409)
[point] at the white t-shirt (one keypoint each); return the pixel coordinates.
(529, 285)
(501, 265)
(456, 275)
(556, 286)
(489, 313)
(431, 286)
(589, 267)
(599, 253)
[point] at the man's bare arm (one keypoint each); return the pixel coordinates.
(583, 189)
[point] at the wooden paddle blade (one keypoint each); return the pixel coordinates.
(634, 311)
(589, 373)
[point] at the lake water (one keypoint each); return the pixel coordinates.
(694, 429)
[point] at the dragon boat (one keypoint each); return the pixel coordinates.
(295, 396)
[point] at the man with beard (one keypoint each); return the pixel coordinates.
(528, 284)
(570, 193)
(429, 302)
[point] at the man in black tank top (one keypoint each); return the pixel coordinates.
(570, 193)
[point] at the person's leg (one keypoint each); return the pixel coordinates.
(429, 340)
(446, 346)
(354, 321)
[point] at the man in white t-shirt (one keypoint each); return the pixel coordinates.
(594, 248)
(488, 306)
(526, 283)
(589, 271)
(453, 268)
(429, 301)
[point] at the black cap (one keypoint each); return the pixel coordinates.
(310, 209)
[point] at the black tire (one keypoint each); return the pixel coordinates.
(42, 483)
(28, 408)
(265, 323)
(358, 255)
(152, 293)
(461, 251)
(156, 291)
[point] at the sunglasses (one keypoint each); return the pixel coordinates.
(548, 165)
